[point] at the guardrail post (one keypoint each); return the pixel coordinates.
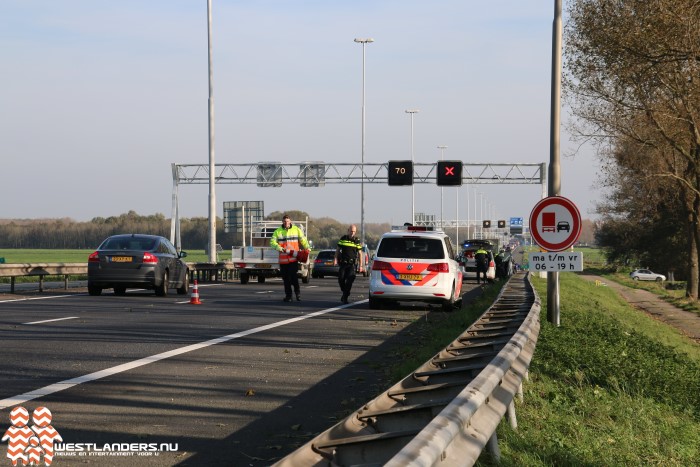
(511, 415)
(41, 283)
(492, 445)
(12, 284)
(520, 392)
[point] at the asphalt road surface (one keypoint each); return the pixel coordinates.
(241, 379)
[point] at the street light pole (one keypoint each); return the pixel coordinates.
(212, 164)
(412, 112)
(442, 189)
(364, 43)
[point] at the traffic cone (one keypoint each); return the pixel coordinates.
(194, 298)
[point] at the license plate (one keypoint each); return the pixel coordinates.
(263, 266)
(328, 263)
(122, 259)
(410, 277)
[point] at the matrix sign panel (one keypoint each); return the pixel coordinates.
(449, 173)
(400, 173)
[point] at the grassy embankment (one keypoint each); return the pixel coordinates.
(610, 386)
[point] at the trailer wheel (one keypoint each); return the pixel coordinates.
(261, 279)
(245, 277)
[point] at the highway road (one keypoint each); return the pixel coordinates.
(241, 379)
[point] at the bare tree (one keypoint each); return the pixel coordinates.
(632, 78)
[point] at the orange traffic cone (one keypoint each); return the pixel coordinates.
(194, 298)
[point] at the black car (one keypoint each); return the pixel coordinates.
(137, 260)
(323, 264)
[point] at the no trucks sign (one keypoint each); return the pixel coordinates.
(555, 223)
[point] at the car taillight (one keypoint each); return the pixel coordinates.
(239, 265)
(317, 261)
(94, 258)
(380, 266)
(149, 258)
(439, 267)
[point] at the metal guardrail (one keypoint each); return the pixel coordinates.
(202, 272)
(448, 410)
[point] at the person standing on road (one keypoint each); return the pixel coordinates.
(289, 240)
(481, 257)
(348, 254)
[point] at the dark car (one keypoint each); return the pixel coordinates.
(323, 264)
(137, 260)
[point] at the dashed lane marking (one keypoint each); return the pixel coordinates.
(69, 383)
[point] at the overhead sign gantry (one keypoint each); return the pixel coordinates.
(317, 174)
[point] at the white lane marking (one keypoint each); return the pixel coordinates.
(23, 299)
(39, 298)
(51, 320)
(69, 383)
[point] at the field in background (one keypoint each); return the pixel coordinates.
(81, 256)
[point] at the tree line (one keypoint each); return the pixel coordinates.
(632, 80)
(194, 232)
(324, 232)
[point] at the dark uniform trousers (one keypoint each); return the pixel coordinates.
(290, 278)
(346, 276)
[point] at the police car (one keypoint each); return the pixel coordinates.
(415, 264)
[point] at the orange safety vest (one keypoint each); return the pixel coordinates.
(288, 239)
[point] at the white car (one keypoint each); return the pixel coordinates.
(646, 275)
(415, 264)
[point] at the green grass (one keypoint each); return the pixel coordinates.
(81, 256)
(610, 386)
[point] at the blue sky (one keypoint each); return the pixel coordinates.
(100, 97)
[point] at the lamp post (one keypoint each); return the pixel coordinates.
(442, 189)
(412, 112)
(364, 43)
(212, 164)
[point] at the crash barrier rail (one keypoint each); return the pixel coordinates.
(202, 272)
(448, 410)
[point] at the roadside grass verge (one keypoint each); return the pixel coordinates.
(605, 388)
(432, 334)
(610, 386)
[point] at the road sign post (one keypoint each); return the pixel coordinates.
(555, 225)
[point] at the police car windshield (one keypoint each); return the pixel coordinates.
(405, 247)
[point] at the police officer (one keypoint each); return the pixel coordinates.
(482, 263)
(289, 240)
(348, 253)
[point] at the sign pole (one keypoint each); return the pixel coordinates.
(554, 166)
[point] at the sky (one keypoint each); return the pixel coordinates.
(99, 98)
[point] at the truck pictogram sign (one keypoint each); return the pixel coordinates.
(555, 223)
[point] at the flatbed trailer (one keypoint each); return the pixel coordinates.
(258, 260)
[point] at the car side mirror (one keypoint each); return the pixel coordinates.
(182, 254)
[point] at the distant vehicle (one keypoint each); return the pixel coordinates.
(323, 264)
(415, 264)
(365, 252)
(562, 225)
(646, 275)
(137, 260)
(467, 260)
